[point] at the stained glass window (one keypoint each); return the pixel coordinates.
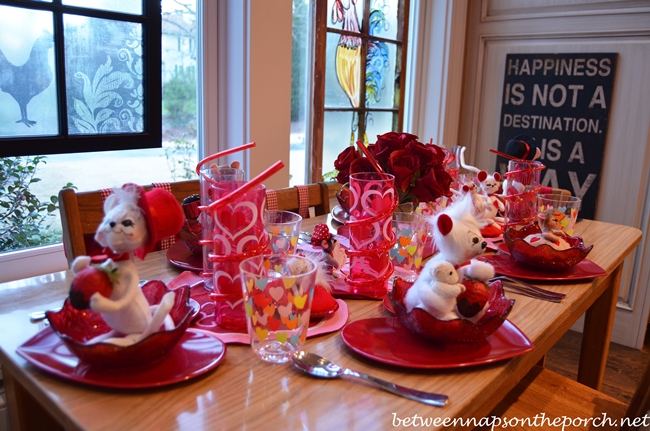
(359, 71)
(84, 76)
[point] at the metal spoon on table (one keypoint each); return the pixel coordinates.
(321, 367)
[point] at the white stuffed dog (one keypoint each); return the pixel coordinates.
(134, 220)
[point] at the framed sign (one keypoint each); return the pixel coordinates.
(563, 101)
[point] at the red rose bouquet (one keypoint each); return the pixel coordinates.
(419, 169)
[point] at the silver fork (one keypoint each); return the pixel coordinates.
(529, 289)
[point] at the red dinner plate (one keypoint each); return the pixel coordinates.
(505, 264)
(179, 255)
(386, 340)
(197, 353)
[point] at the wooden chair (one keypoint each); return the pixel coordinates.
(544, 391)
(316, 195)
(82, 212)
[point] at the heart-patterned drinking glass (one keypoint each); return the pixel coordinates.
(564, 209)
(522, 182)
(210, 178)
(373, 199)
(237, 233)
(278, 291)
(410, 237)
(283, 228)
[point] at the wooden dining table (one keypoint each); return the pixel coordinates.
(243, 392)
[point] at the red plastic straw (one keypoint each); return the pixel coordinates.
(245, 188)
(371, 159)
(222, 154)
(507, 156)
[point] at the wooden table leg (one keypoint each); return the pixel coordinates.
(599, 320)
(25, 413)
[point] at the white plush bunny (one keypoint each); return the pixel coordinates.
(439, 297)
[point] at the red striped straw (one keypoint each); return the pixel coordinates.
(369, 156)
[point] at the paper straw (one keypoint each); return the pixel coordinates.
(371, 159)
(245, 188)
(222, 154)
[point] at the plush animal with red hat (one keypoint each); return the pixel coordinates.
(457, 235)
(134, 220)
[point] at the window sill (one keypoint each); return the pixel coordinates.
(15, 265)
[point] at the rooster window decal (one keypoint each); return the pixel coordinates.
(74, 78)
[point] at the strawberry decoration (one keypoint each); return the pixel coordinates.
(321, 233)
(473, 299)
(87, 282)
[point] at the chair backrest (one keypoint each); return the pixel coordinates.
(81, 214)
(314, 195)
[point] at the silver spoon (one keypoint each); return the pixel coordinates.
(321, 367)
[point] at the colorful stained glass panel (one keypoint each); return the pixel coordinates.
(342, 74)
(337, 134)
(381, 79)
(378, 123)
(345, 14)
(383, 19)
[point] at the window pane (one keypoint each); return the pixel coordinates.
(345, 14)
(383, 19)
(378, 123)
(103, 60)
(342, 74)
(380, 75)
(125, 6)
(28, 97)
(339, 131)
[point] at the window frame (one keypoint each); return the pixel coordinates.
(320, 51)
(150, 137)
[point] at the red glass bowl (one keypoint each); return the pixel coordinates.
(76, 327)
(454, 331)
(544, 257)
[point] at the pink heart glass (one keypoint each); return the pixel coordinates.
(210, 179)
(373, 199)
(237, 233)
(522, 182)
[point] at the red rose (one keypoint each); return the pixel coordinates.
(432, 185)
(361, 164)
(428, 154)
(403, 165)
(389, 142)
(342, 164)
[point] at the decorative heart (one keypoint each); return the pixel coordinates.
(269, 310)
(261, 333)
(290, 322)
(284, 310)
(375, 202)
(249, 285)
(261, 283)
(404, 241)
(393, 253)
(228, 284)
(411, 249)
(273, 230)
(273, 324)
(261, 300)
(276, 292)
(278, 268)
(300, 301)
(295, 338)
(236, 220)
(267, 264)
(281, 337)
(262, 318)
(281, 243)
(249, 310)
(288, 282)
(418, 262)
(294, 241)
(400, 258)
